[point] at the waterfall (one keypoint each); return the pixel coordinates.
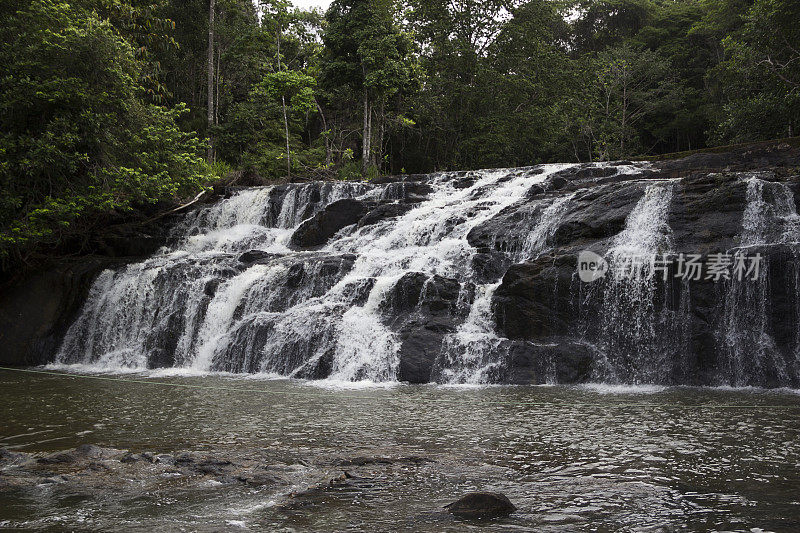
(770, 216)
(174, 308)
(198, 304)
(475, 353)
(622, 313)
(546, 226)
(748, 350)
(410, 288)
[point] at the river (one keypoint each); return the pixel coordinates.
(588, 458)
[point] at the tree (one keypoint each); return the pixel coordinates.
(366, 53)
(632, 83)
(79, 135)
(761, 75)
(275, 118)
(277, 12)
(210, 90)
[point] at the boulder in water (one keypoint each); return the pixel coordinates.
(318, 229)
(482, 505)
(383, 212)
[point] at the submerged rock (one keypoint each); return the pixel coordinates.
(478, 505)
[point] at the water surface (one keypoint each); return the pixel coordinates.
(594, 458)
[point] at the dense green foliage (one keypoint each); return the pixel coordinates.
(79, 137)
(104, 104)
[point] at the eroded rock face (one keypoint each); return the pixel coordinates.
(686, 332)
(422, 310)
(35, 313)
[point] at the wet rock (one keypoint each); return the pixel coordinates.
(440, 294)
(318, 229)
(478, 505)
(534, 300)
(743, 158)
(357, 292)
(421, 341)
(36, 312)
(596, 214)
(405, 295)
(84, 452)
(408, 191)
(257, 256)
(130, 458)
(490, 266)
(384, 212)
(90, 450)
(99, 466)
(259, 479)
(213, 466)
(422, 310)
(57, 458)
(54, 480)
(706, 212)
(184, 459)
(7, 457)
(562, 360)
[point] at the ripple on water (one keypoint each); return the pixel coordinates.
(576, 458)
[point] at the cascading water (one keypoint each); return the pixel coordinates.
(475, 351)
(407, 287)
(199, 305)
(172, 308)
(628, 326)
(746, 342)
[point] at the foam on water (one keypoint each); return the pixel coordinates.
(606, 388)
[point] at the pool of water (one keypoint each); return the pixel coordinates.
(593, 458)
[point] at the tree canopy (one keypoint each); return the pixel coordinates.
(107, 105)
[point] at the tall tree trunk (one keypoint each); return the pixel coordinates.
(381, 129)
(624, 119)
(218, 69)
(326, 135)
(285, 116)
(211, 7)
(366, 136)
(286, 129)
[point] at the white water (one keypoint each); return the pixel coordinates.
(475, 351)
(339, 312)
(628, 333)
(305, 314)
(538, 239)
(770, 216)
(745, 341)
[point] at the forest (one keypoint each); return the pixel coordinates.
(112, 106)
